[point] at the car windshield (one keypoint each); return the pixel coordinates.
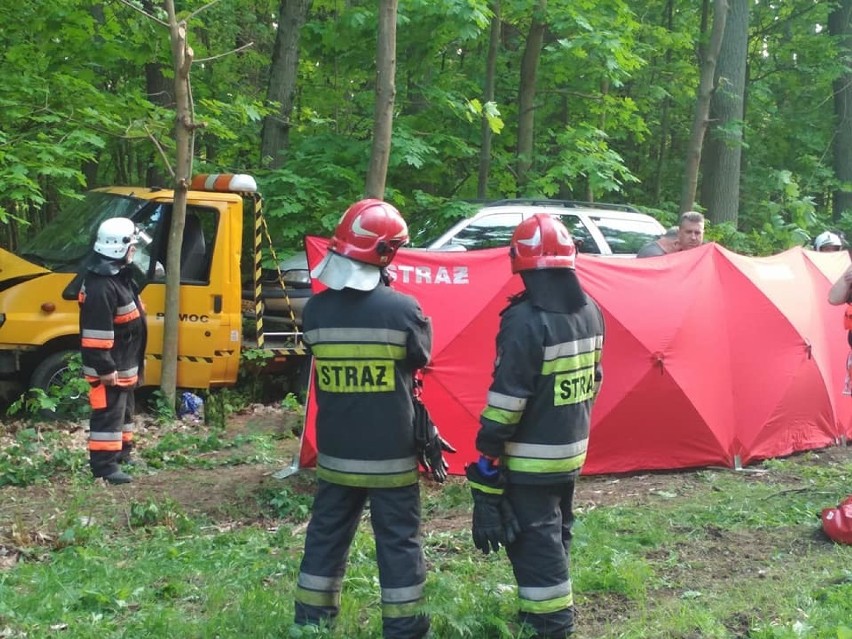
(626, 237)
(68, 238)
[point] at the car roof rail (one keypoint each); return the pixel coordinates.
(568, 204)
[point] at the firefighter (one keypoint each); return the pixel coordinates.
(534, 430)
(112, 343)
(367, 341)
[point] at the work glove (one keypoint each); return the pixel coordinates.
(432, 457)
(430, 445)
(494, 522)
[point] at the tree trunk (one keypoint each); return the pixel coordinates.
(283, 75)
(720, 185)
(702, 106)
(838, 26)
(488, 96)
(385, 95)
(184, 129)
(526, 97)
(665, 120)
(160, 91)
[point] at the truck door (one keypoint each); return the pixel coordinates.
(205, 332)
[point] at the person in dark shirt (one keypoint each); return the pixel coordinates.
(663, 245)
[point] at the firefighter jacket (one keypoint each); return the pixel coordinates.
(546, 376)
(366, 347)
(113, 332)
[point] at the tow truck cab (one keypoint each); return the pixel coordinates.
(39, 314)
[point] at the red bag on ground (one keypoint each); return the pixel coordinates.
(837, 522)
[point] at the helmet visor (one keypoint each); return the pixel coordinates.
(339, 272)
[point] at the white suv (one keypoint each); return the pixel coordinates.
(598, 229)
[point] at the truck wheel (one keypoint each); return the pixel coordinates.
(60, 380)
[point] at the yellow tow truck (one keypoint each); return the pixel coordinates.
(39, 315)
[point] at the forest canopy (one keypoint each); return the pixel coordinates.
(604, 114)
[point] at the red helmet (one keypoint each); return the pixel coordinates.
(837, 522)
(371, 231)
(541, 241)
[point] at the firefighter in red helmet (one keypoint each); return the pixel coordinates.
(534, 430)
(367, 341)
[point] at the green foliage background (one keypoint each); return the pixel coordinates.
(615, 96)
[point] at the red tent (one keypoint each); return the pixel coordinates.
(711, 358)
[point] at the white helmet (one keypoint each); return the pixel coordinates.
(827, 241)
(115, 236)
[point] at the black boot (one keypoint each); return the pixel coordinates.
(118, 477)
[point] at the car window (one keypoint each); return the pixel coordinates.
(627, 236)
(488, 231)
(580, 233)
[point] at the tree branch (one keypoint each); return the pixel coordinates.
(222, 55)
(144, 13)
(197, 11)
(161, 150)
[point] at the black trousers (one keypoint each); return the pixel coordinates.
(395, 518)
(540, 557)
(110, 406)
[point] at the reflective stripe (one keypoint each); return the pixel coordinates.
(126, 436)
(108, 442)
(317, 582)
(546, 599)
(110, 447)
(126, 313)
(568, 349)
(367, 481)
(402, 595)
(124, 310)
(127, 428)
(401, 611)
(525, 465)
(502, 416)
(93, 334)
(359, 351)
(567, 364)
(366, 335)
(90, 342)
(104, 437)
(547, 451)
(377, 466)
(483, 488)
(317, 590)
(317, 598)
(128, 372)
(88, 371)
(506, 402)
(544, 593)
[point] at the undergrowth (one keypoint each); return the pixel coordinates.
(710, 554)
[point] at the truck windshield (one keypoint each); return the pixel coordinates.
(69, 237)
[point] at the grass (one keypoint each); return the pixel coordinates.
(705, 554)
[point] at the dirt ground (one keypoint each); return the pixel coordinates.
(227, 496)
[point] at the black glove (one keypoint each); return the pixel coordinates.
(487, 490)
(430, 445)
